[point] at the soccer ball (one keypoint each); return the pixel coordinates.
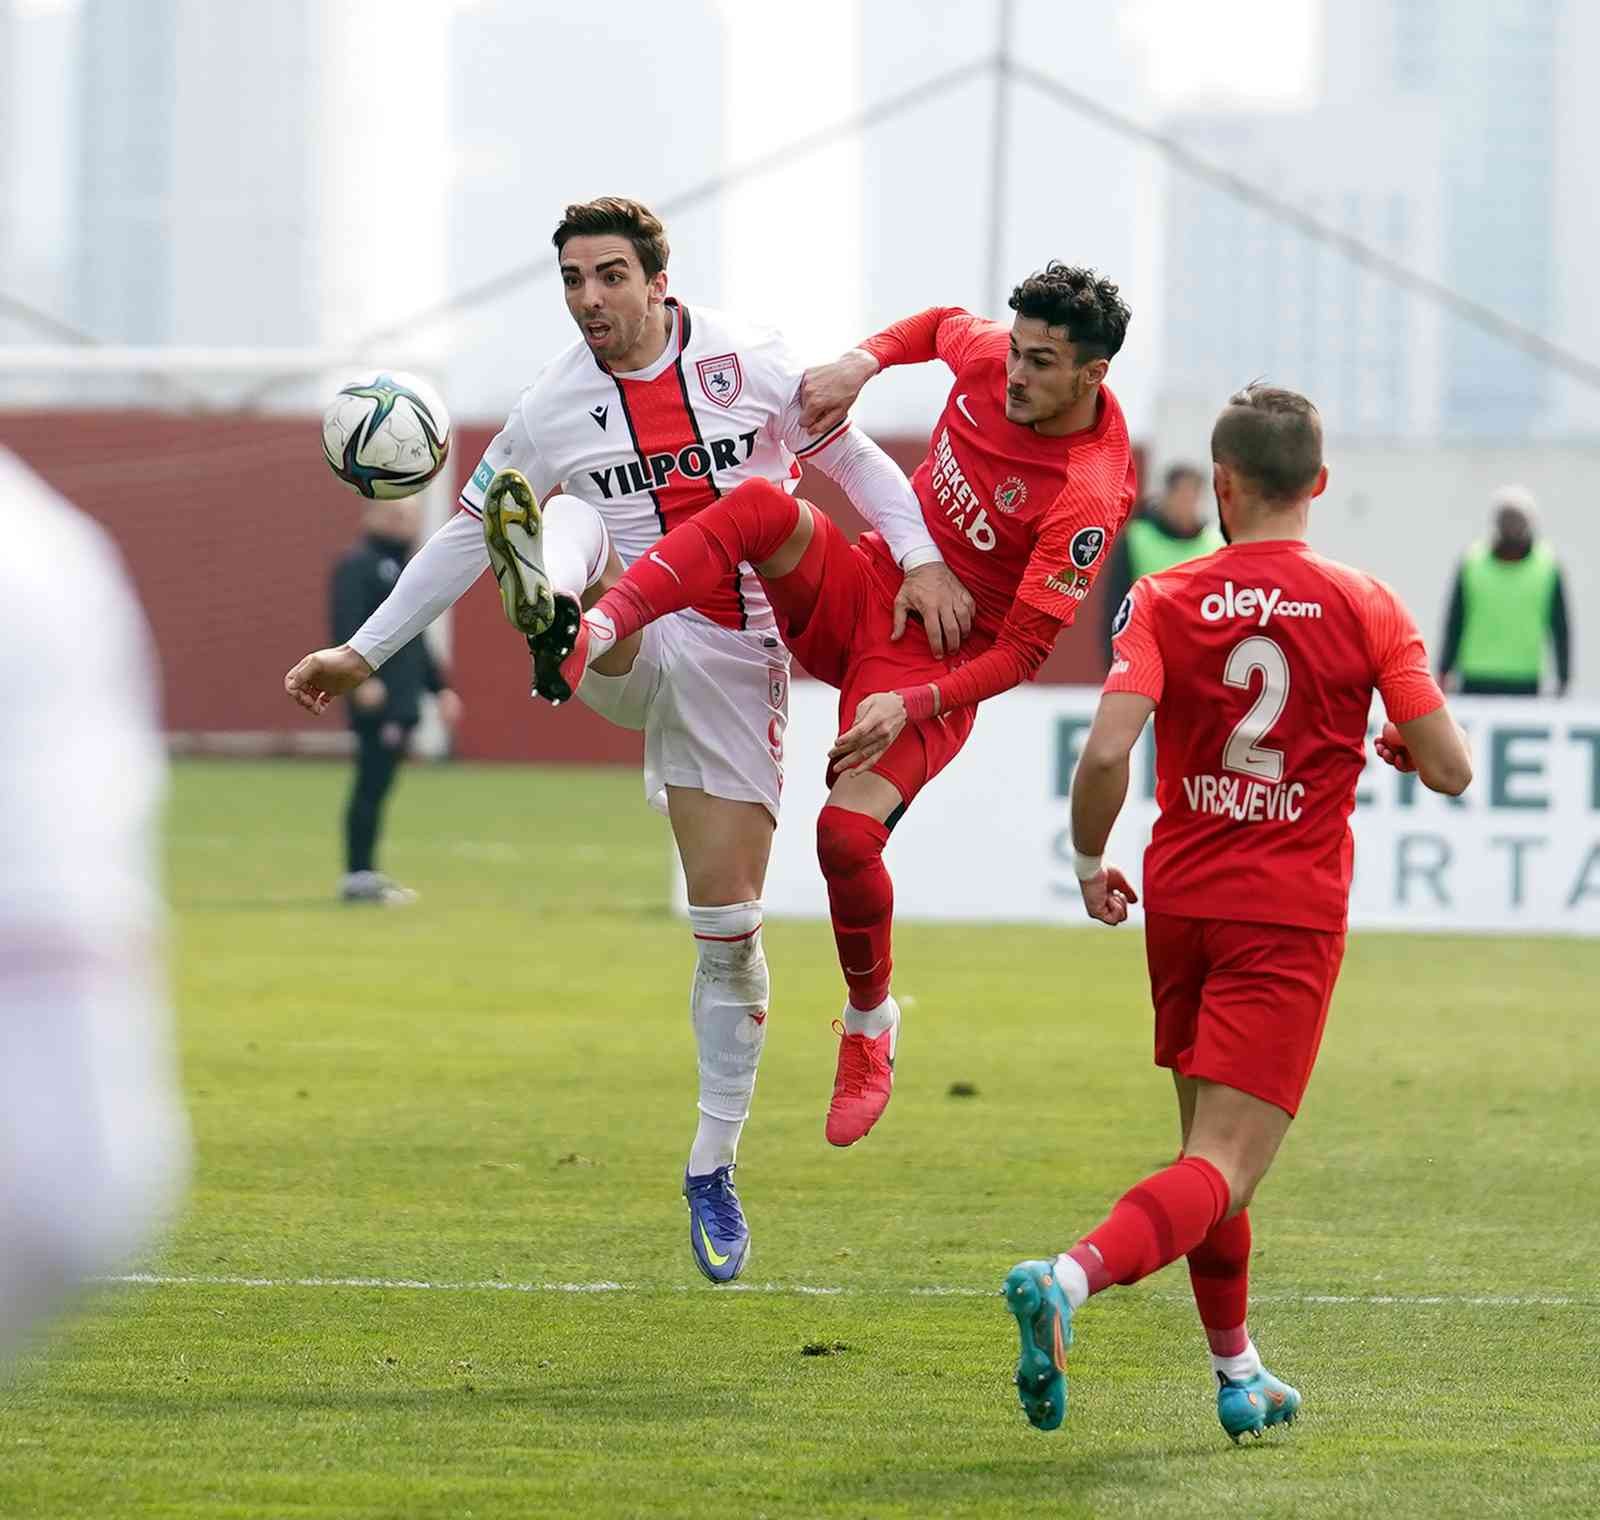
(386, 435)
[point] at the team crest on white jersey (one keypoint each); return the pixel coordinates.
(721, 378)
(1010, 494)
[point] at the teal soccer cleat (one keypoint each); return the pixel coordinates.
(1044, 1324)
(1249, 1406)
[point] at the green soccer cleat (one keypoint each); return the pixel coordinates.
(1044, 1323)
(512, 528)
(1247, 1407)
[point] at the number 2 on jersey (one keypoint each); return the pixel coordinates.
(1244, 751)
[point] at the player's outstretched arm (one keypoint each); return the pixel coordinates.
(1099, 789)
(941, 332)
(436, 577)
(1433, 746)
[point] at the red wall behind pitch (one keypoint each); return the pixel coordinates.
(230, 526)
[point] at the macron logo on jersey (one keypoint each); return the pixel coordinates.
(1254, 602)
(695, 462)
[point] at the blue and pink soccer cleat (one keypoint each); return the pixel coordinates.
(718, 1235)
(1247, 1407)
(1044, 1324)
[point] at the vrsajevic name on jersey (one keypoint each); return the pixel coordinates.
(1244, 801)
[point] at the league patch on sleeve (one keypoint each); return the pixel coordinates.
(1087, 546)
(483, 475)
(1124, 612)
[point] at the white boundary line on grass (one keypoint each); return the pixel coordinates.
(805, 1290)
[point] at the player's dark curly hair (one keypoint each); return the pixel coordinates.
(617, 216)
(1273, 438)
(1090, 308)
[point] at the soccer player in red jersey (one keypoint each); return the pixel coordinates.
(1029, 477)
(1259, 662)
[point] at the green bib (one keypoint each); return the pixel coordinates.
(1505, 614)
(1150, 549)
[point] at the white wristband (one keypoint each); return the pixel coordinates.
(1085, 866)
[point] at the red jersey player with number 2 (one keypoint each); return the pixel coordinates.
(1029, 477)
(1259, 662)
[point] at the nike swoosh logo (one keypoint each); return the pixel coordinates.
(759, 1018)
(711, 1254)
(1276, 1397)
(657, 559)
(961, 406)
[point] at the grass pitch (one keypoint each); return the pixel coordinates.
(496, 1087)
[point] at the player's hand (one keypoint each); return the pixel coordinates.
(325, 674)
(879, 720)
(1392, 749)
(450, 707)
(828, 391)
(1106, 896)
(940, 600)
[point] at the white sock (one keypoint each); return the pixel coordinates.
(1240, 1368)
(1073, 1279)
(716, 1143)
(575, 545)
(871, 1021)
(728, 1007)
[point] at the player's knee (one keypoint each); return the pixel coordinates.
(1241, 1172)
(767, 527)
(848, 842)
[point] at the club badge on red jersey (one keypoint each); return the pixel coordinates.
(1011, 494)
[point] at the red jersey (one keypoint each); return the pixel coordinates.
(1262, 659)
(1017, 515)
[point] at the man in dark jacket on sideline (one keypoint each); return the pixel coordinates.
(383, 710)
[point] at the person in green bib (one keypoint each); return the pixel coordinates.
(1506, 607)
(1161, 534)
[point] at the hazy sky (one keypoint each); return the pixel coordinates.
(1259, 50)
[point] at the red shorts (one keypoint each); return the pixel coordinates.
(1241, 1004)
(835, 610)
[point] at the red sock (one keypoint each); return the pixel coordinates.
(1219, 1273)
(750, 524)
(861, 895)
(1166, 1216)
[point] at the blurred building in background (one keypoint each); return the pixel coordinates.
(1451, 138)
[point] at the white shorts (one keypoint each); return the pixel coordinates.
(713, 703)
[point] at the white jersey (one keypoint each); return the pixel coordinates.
(650, 448)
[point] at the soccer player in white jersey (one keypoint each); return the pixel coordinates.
(93, 1144)
(657, 411)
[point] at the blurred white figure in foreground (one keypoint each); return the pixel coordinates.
(93, 1141)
